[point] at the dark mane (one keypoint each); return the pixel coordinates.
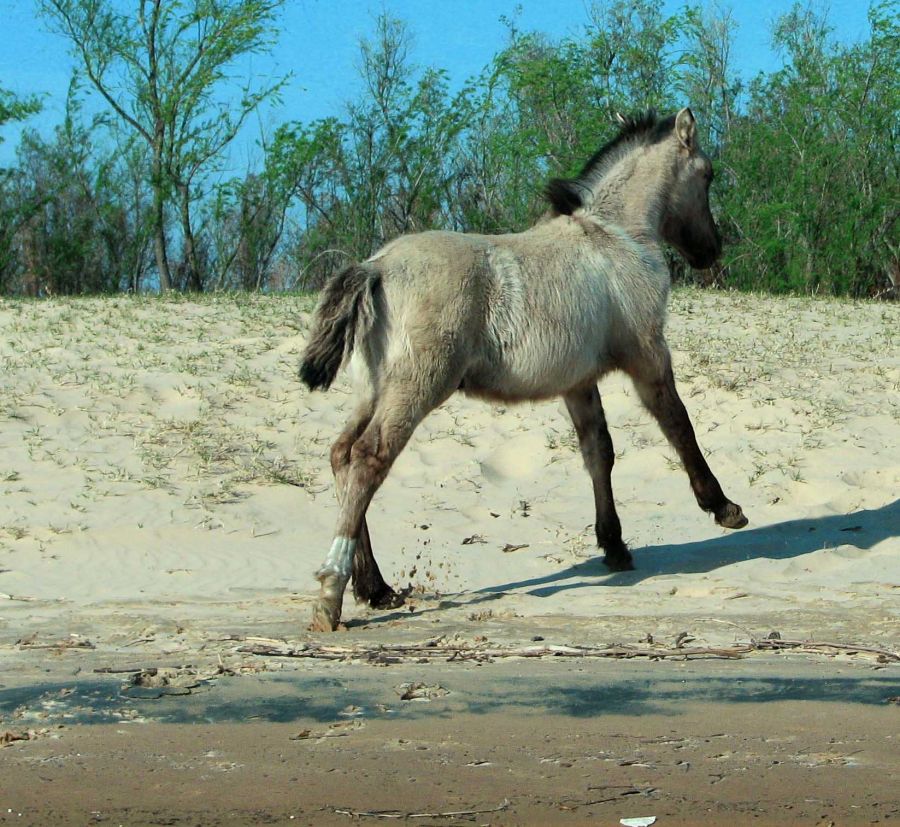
(566, 194)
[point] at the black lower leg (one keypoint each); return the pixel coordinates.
(663, 401)
(368, 584)
(586, 410)
(617, 557)
(609, 529)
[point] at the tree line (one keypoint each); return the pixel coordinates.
(136, 198)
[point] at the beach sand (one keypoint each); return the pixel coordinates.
(165, 497)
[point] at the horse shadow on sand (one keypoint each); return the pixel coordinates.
(778, 541)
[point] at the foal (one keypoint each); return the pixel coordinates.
(521, 316)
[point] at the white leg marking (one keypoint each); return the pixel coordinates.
(339, 560)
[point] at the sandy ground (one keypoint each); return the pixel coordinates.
(513, 743)
(166, 498)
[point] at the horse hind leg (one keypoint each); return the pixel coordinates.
(368, 584)
(586, 410)
(655, 384)
(371, 456)
(399, 409)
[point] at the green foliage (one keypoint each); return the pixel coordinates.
(806, 158)
(810, 202)
(160, 72)
(564, 96)
(13, 108)
(249, 215)
(78, 232)
(387, 169)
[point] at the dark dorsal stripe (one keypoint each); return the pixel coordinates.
(567, 194)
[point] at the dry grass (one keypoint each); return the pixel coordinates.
(196, 399)
(169, 409)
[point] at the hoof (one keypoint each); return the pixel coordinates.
(382, 596)
(618, 563)
(325, 617)
(388, 599)
(618, 559)
(327, 611)
(731, 516)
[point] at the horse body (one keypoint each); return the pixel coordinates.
(522, 321)
(521, 316)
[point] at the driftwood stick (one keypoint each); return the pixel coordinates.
(397, 814)
(435, 651)
(778, 643)
(431, 653)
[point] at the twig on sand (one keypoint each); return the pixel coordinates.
(419, 652)
(386, 654)
(8, 737)
(71, 642)
(398, 814)
(885, 655)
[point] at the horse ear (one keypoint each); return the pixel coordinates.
(685, 127)
(563, 196)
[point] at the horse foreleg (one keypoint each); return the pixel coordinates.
(655, 384)
(586, 410)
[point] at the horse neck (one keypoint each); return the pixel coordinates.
(631, 193)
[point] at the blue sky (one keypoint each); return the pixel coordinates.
(319, 43)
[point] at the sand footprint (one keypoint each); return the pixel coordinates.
(520, 457)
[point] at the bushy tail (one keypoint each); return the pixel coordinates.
(346, 299)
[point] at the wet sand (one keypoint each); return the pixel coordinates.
(765, 740)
